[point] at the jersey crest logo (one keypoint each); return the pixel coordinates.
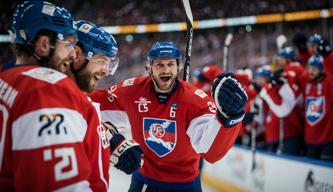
(315, 109)
(160, 135)
(142, 104)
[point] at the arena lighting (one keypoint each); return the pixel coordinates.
(213, 23)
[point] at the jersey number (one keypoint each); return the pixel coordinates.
(172, 112)
(212, 107)
(50, 120)
(68, 158)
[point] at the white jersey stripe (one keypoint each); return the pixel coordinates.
(203, 131)
(117, 117)
(48, 126)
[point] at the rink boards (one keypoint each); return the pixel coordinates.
(270, 173)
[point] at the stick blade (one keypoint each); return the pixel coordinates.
(188, 11)
(228, 39)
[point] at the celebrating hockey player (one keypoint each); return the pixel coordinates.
(318, 111)
(284, 123)
(174, 122)
(51, 129)
(96, 52)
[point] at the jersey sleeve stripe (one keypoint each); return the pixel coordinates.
(117, 117)
(288, 101)
(48, 126)
(203, 131)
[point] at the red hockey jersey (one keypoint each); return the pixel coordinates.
(276, 107)
(172, 135)
(318, 112)
(50, 135)
(283, 104)
(328, 64)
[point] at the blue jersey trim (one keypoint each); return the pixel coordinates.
(167, 185)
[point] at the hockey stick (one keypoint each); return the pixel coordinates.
(280, 43)
(254, 109)
(281, 135)
(227, 43)
(189, 37)
(253, 147)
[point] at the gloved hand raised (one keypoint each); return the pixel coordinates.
(125, 154)
(230, 99)
(277, 77)
(324, 48)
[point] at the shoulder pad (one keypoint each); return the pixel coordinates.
(45, 74)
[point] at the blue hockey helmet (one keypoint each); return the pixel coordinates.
(94, 40)
(316, 61)
(287, 52)
(164, 49)
(264, 71)
(32, 16)
(314, 39)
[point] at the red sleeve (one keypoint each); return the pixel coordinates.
(328, 64)
(206, 131)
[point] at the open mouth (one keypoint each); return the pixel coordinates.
(165, 78)
(96, 77)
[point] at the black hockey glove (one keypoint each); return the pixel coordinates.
(256, 86)
(324, 48)
(125, 154)
(276, 77)
(230, 99)
(300, 41)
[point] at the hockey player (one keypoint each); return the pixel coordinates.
(313, 43)
(96, 52)
(284, 123)
(50, 127)
(174, 122)
(318, 111)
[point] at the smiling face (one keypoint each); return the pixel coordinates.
(164, 72)
(97, 68)
(64, 54)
